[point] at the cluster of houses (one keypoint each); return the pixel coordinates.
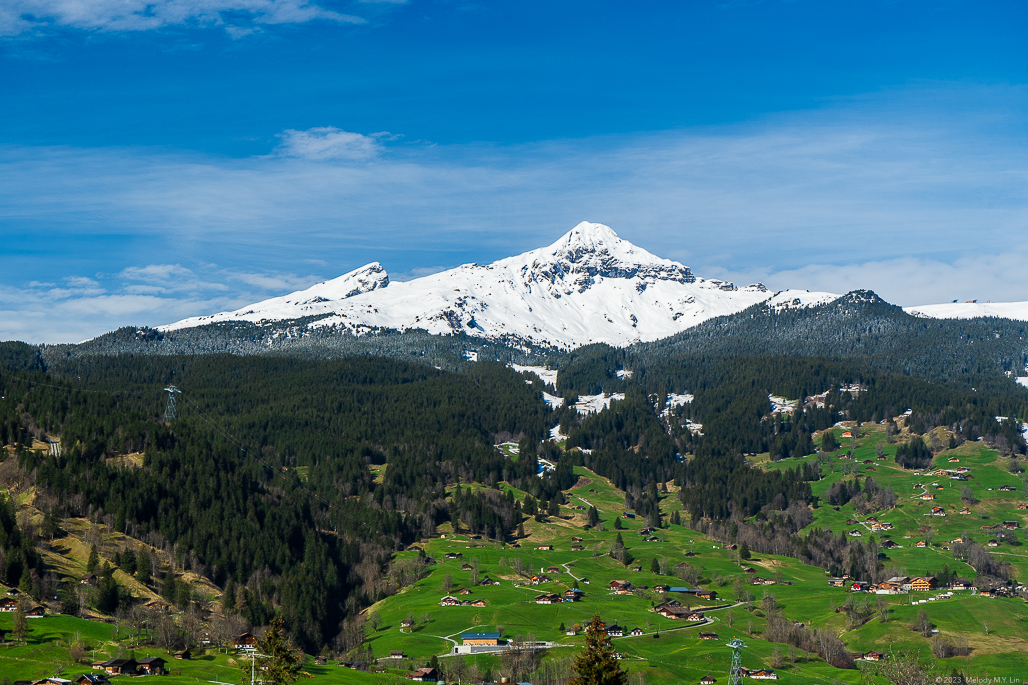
(1006, 525)
(998, 592)
(451, 601)
(543, 577)
(959, 471)
(766, 581)
(759, 674)
(151, 665)
(624, 587)
(891, 586)
(614, 630)
(10, 605)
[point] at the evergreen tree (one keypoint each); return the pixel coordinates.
(107, 595)
(594, 517)
(143, 566)
(229, 596)
(521, 530)
(183, 596)
(744, 551)
(597, 665)
(93, 561)
(51, 525)
(128, 562)
(242, 601)
(70, 604)
(617, 523)
(280, 662)
(169, 587)
(25, 584)
(655, 566)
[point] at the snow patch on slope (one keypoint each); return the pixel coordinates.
(782, 405)
(971, 310)
(674, 400)
(594, 404)
(547, 376)
(552, 400)
(800, 299)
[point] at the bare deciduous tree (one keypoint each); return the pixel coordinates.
(167, 633)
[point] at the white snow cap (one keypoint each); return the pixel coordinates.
(589, 286)
(971, 310)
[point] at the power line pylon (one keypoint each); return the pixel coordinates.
(735, 675)
(170, 412)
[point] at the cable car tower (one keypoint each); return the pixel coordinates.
(170, 412)
(735, 675)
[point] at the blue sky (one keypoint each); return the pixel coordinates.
(165, 158)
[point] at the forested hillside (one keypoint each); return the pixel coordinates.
(301, 338)
(870, 336)
(263, 480)
(290, 483)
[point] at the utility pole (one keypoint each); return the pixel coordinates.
(253, 667)
(170, 412)
(735, 675)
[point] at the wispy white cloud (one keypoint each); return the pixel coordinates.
(22, 16)
(137, 295)
(162, 273)
(74, 286)
(327, 143)
(416, 272)
(276, 283)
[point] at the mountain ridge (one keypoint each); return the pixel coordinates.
(590, 286)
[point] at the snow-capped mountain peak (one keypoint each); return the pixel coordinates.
(588, 286)
(363, 280)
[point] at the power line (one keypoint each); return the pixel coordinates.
(73, 389)
(261, 460)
